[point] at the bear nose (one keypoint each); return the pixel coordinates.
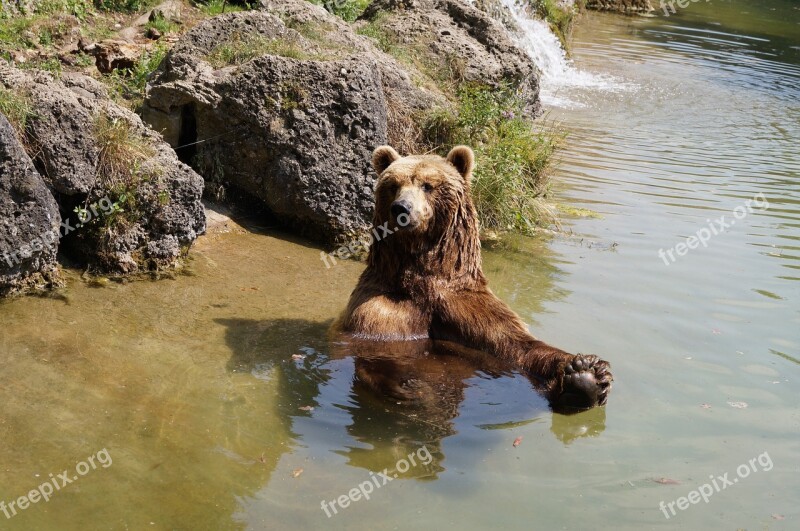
(399, 208)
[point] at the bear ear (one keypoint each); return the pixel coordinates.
(463, 159)
(383, 157)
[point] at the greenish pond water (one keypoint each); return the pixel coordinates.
(191, 386)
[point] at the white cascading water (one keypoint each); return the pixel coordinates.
(544, 49)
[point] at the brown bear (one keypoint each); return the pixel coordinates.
(424, 279)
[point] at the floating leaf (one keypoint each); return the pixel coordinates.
(778, 517)
(306, 408)
(667, 481)
(296, 472)
(517, 441)
(298, 357)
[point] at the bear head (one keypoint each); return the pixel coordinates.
(425, 202)
(420, 194)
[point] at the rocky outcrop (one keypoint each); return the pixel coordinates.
(457, 42)
(628, 7)
(286, 104)
(113, 55)
(400, 80)
(29, 220)
(92, 152)
(286, 107)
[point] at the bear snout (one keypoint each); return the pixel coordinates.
(400, 207)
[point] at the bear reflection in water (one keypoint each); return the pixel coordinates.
(409, 393)
(398, 396)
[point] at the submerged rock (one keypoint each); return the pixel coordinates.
(29, 220)
(132, 205)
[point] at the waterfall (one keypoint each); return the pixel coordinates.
(558, 74)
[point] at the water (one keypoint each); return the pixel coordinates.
(558, 74)
(190, 384)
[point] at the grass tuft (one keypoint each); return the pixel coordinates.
(213, 8)
(162, 25)
(123, 172)
(17, 109)
(122, 6)
(560, 18)
(512, 155)
(348, 10)
(121, 150)
(128, 85)
(241, 48)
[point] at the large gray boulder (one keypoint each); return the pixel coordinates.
(89, 149)
(29, 220)
(457, 42)
(284, 114)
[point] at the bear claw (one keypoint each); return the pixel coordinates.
(585, 383)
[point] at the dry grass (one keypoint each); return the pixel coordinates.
(122, 151)
(404, 131)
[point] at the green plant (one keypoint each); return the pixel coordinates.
(17, 108)
(560, 18)
(241, 48)
(161, 24)
(45, 37)
(83, 60)
(121, 6)
(76, 8)
(51, 64)
(348, 10)
(122, 150)
(427, 68)
(512, 155)
(125, 174)
(130, 84)
(217, 7)
(13, 33)
(80, 9)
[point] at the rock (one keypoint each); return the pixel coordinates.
(628, 7)
(406, 97)
(113, 55)
(459, 41)
(286, 126)
(29, 220)
(153, 34)
(169, 10)
(87, 149)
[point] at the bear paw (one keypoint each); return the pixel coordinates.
(585, 383)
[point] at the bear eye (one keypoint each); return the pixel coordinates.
(427, 187)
